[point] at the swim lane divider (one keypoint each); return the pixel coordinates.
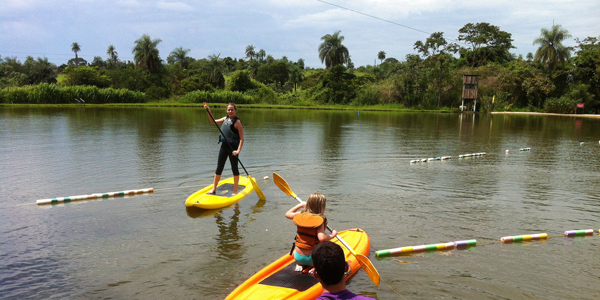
(469, 243)
(579, 232)
(518, 238)
(442, 246)
(93, 196)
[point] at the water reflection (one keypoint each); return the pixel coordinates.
(360, 162)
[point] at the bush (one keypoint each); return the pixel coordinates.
(240, 82)
(263, 94)
(560, 105)
(367, 96)
(216, 97)
(53, 94)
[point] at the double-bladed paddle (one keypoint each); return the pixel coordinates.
(257, 189)
(364, 261)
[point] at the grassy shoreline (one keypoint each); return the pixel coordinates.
(398, 108)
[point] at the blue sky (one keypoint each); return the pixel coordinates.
(291, 28)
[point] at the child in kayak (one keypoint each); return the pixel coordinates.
(310, 219)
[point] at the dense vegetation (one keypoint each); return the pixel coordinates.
(554, 79)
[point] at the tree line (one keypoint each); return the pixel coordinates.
(553, 79)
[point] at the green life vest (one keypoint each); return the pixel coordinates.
(230, 132)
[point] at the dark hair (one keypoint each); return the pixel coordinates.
(330, 262)
(232, 104)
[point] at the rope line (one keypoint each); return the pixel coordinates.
(384, 20)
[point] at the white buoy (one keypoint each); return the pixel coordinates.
(266, 177)
(507, 150)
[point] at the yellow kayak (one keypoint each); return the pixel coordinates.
(279, 281)
(224, 195)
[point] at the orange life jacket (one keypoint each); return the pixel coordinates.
(306, 236)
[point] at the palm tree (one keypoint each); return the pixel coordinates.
(332, 52)
(295, 75)
(216, 67)
(261, 55)
(551, 51)
(146, 54)
(112, 53)
(381, 56)
(179, 56)
(76, 48)
(250, 53)
(253, 67)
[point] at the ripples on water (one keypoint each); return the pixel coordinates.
(152, 247)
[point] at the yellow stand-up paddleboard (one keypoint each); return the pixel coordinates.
(224, 195)
(279, 280)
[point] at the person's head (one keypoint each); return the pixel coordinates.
(231, 109)
(330, 262)
(315, 204)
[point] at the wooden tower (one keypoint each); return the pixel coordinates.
(469, 94)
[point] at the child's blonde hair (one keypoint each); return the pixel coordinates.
(315, 204)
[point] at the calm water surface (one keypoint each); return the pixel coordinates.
(151, 247)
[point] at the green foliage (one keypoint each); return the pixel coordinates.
(263, 94)
(240, 81)
(551, 51)
(587, 64)
(146, 54)
(54, 94)
(10, 77)
(488, 43)
(39, 71)
(277, 73)
(194, 83)
(527, 84)
(129, 78)
(561, 105)
(367, 96)
(332, 52)
(156, 93)
(216, 97)
(85, 76)
(433, 80)
(580, 94)
(335, 86)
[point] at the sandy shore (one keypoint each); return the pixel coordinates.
(545, 114)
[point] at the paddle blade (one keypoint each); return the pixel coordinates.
(283, 185)
(366, 264)
(257, 189)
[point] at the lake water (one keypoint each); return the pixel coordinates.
(151, 247)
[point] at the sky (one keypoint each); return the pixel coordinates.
(290, 28)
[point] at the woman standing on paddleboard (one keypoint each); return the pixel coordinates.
(233, 133)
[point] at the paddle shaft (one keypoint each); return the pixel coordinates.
(226, 141)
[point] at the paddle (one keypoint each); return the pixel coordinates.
(364, 261)
(257, 189)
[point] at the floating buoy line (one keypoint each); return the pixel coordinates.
(106, 195)
(471, 243)
(460, 156)
(424, 160)
(94, 196)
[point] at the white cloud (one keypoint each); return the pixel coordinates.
(174, 6)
